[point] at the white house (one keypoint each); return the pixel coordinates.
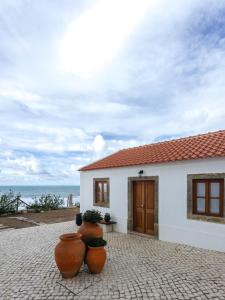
(172, 190)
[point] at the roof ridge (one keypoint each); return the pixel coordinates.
(204, 145)
(173, 140)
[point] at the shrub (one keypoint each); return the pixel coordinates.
(35, 206)
(96, 242)
(77, 204)
(47, 202)
(92, 216)
(8, 202)
(107, 217)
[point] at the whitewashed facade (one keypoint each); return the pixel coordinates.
(173, 222)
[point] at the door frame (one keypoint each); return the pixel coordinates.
(130, 202)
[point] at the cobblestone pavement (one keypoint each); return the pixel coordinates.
(137, 268)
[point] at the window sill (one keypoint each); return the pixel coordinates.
(212, 219)
(101, 204)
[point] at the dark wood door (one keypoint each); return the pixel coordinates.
(138, 209)
(143, 206)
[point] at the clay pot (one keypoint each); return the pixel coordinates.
(95, 259)
(79, 219)
(90, 230)
(69, 254)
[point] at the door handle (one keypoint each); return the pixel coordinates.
(142, 205)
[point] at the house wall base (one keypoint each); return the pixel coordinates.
(192, 237)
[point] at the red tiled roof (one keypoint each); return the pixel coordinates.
(194, 147)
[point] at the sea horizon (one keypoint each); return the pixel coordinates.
(3, 185)
(31, 192)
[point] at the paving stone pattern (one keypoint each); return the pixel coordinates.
(137, 268)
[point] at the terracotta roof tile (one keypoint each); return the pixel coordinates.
(194, 147)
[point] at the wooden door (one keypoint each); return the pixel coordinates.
(138, 208)
(143, 206)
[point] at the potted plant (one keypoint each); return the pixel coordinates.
(107, 217)
(96, 255)
(79, 219)
(90, 227)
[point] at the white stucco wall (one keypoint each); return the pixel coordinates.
(173, 223)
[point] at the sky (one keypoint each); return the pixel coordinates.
(82, 79)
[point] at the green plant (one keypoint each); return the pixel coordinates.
(96, 242)
(47, 202)
(107, 217)
(77, 204)
(8, 202)
(92, 216)
(35, 206)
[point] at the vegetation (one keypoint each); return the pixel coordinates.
(107, 217)
(92, 216)
(47, 202)
(77, 204)
(9, 202)
(96, 242)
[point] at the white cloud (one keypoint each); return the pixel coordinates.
(29, 164)
(22, 96)
(104, 108)
(99, 143)
(157, 73)
(74, 168)
(7, 153)
(94, 39)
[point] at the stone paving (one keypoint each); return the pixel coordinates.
(137, 268)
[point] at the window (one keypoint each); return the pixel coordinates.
(208, 197)
(101, 192)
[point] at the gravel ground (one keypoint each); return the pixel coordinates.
(47, 217)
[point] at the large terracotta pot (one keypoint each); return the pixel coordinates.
(90, 230)
(95, 259)
(69, 254)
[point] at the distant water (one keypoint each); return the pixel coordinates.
(28, 193)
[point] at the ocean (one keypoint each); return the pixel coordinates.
(28, 193)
